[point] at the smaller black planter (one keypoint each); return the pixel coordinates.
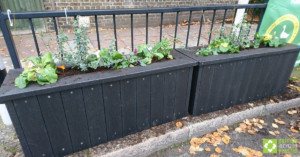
(226, 80)
(85, 110)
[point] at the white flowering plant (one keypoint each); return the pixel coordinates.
(41, 70)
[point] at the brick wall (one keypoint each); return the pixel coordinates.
(139, 20)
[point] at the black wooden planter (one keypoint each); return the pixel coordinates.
(85, 110)
(229, 79)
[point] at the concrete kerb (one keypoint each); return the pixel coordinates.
(197, 129)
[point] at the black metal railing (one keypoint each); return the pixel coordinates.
(53, 14)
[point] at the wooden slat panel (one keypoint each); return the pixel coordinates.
(254, 79)
(181, 92)
(143, 102)
(94, 106)
(18, 128)
(216, 93)
(76, 117)
(128, 92)
(157, 99)
(113, 110)
(33, 125)
(238, 81)
(247, 81)
(56, 123)
(169, 95)
(204, 90)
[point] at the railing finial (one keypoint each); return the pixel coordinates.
(66, 16)
(8, 15)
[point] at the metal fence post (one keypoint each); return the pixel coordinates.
(9, 41)
(261, 15)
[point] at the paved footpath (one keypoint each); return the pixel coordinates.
(253, 141)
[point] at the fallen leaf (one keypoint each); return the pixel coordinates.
(214, 155)
(252, 132)
(272, 101)
(251, 104)
(281, 122)
(178, 124)
(277, 132)
(245, 151)
(261, 121)
(180, 150)
(287, 155)
(274, 125)
(293, 129)
(224, 128)
(154, 127)
(226, 139)
(238, 129)
(218, 150)
(272, 133)
(291, 112)
(207, 149)
(62, 67)
(195, 142)
(193, 149)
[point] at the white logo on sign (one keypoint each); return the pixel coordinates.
(295, 1)
(273, 145)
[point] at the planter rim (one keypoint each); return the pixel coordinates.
(244, 54)
(8, 91)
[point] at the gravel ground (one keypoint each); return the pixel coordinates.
(9, 142)
(242, 139)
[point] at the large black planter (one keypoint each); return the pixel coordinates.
(229, 79)
(85, 110)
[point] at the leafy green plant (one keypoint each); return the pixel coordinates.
(78, 58)
(40, 70)
(160, 50)
(238, 39)
(111, 58)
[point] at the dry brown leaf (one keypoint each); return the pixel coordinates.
(281, 122)
(62, 67)
(259, 125)
(274, 125)
(224, 128)
(272, 133)
(218, 150)
(195, 142)
(238, 129)
(261, 121)
(226, 139)
(277, 132)
(291, 112)
(180, 150)
(245, 151)
(252, 132)
(178, 124)
(207, 149)
(243, 125)
(214, 155)
(251, 104)
(293, 129)
(272, 101)
(287, 155)
(193, 149)
(154, 127)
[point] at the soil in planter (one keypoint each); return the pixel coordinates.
(71, 72)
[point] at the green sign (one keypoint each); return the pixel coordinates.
(282, 19)
(280, 146)
(270, 145)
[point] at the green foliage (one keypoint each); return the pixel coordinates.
(78, 58)
(160, 50)
(111, 58)
(238, 39)
(40, 70)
